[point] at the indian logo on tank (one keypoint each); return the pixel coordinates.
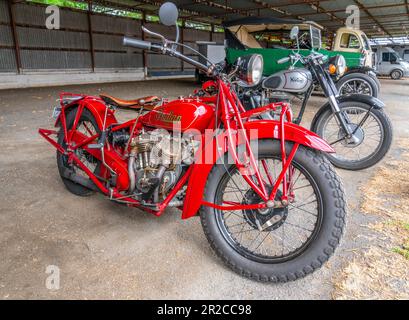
(167, 117)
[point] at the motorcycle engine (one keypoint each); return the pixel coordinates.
(259, 97)
(159, 162)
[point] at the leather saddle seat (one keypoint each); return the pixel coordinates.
(147, 103)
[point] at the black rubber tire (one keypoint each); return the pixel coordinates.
(378, 83)
(71, 186)
(377, 157)
(319, 250)
(361, 77)
(396, 74)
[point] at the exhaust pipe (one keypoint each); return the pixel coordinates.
(131, 173)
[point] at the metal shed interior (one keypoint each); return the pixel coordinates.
(88, 42)
(376, 15)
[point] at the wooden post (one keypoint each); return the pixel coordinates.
(144, 53)
(330, 40)
(15, 36)
(182, 40)
(211, 32)
(91, 40)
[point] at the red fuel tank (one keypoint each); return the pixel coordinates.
(190, 113)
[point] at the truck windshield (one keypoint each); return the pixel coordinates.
(266, 39)
(280, 40)
(396, 56)
(366, 42)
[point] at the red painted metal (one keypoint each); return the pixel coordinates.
(236, 206)
(95, 105)
(267, 129)
(258, 111)
(192, 114)
(46, 135)
(113, 160)
(196, 114)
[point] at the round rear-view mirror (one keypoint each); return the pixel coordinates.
(168, 14)
(294, 33)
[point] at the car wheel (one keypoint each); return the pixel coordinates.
(396, 74)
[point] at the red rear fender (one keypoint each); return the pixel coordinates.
(96, 106)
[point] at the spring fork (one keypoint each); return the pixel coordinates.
(232, 108)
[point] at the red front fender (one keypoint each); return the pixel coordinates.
(266, 129)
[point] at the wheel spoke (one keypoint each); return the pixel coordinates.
(299, 227)
(366, 127)
(306, 211)
(242, 226)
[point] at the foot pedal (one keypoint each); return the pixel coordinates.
(101, 141)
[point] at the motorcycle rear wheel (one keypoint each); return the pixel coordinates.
(274, 264)
(62, 160)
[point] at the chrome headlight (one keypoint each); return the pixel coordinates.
(250, 69)
(341, 65)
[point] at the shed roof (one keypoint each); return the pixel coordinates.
(378, 18)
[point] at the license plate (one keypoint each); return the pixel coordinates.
(56, 112)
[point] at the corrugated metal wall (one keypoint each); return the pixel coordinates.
(40, 48)
(71, 48)
(108, 32)
(7, 53)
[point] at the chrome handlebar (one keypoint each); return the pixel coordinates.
(165, 49)
(154, 34)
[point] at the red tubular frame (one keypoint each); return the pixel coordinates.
(45, 133)
(233, 121)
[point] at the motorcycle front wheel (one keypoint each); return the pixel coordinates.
(299, 241)
(372, 139)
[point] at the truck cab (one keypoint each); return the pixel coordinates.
(352, 40)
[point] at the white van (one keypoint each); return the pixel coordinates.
(389, 63)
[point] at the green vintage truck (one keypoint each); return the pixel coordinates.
(270, 38)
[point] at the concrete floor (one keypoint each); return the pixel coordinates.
(105, 250)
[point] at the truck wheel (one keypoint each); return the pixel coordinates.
(375, 78)
(357, 83)
(396, 74)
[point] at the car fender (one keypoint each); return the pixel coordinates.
(266, 129)
(400, 68)
(359, 69)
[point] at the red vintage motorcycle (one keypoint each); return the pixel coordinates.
(271, 205)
